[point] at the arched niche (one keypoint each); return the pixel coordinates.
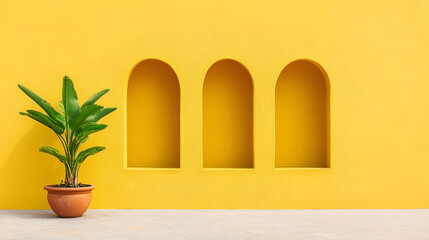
(227, 116)
(153, 116)
(302, 116)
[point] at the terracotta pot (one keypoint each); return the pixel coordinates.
(69, 202)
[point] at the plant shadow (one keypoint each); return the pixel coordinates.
(26, 170)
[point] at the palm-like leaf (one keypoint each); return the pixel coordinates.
(83, 140)
(61, 108)
(70, 101)
(81, 115)
(88, 152)
(99, 114)
(91, 130)
(54, 152)
(94, 98)
(88, 128)
(44, 119)
(48, 119)
(44, 105)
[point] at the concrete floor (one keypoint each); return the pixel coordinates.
(218, 224)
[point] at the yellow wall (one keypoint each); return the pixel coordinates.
(374, 52)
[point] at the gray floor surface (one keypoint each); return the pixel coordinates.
(218, 224)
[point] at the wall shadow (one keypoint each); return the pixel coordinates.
(26, 167)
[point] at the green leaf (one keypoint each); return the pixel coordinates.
(44, 105)
(54, 152)
(100, 114)
(83, 127)
(91, 129)
(81, 115)
(61, 108)
(94, 98)
(45, 120)
(88, 152)
(83, 140)
(70, 101)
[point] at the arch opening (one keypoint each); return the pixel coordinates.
(153, 116)
(302, 116)
(227, 116)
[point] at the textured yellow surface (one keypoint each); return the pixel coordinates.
(374, 52)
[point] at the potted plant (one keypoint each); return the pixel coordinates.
(72, 124)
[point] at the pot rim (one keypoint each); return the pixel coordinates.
(55, 188)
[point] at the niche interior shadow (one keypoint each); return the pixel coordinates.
(227, 116)
(302, 116)
(153, 116)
